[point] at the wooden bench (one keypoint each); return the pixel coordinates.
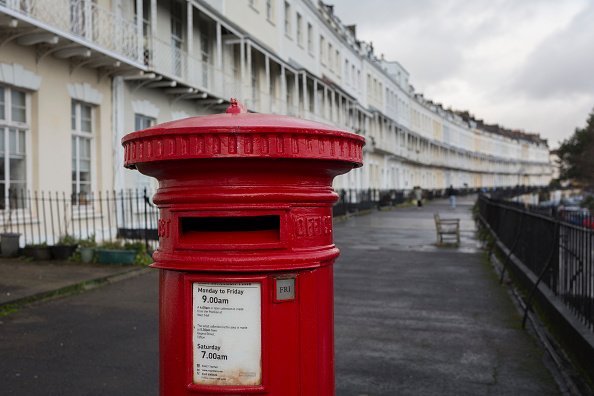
(447, 228)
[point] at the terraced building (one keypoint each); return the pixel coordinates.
(76, 75)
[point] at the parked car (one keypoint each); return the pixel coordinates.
(574, 215)
(588, 222)
(572, 201)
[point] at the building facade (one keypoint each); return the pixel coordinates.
(77, 75)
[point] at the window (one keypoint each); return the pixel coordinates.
(13, 147)
(143, 122)
(310, 38)
(255, 88)
(337, 60)
(269, 10)
(205, 58)
(273, 87)
(81, 17)
(299, 29)
(81, 124)
(322, 49)
(176, 37)
(330, 56)
(287, 19)
(146, 33)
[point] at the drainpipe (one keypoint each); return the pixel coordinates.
(118, 128)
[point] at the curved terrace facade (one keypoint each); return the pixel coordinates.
(77, 75)
(328, 74)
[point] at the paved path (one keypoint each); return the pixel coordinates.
(411, 319)
(416, 319)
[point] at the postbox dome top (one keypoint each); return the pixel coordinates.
(238, 134)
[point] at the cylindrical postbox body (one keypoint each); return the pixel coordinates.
(245, 250)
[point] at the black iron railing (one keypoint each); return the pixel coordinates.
(558, 250)
(514, 191)
(46, 217)
(353, 200)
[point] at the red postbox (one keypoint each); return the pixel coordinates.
(245, 250)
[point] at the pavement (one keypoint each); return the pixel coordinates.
(24, 280)
(411, 318)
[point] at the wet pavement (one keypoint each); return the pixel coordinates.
(411, 318)
(22, 278)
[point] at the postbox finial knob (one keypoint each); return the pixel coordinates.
(235, 107)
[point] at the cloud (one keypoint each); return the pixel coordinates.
(429, 37)
(504, 60)
(564, 63)
(555, 118)
(381, 13)
(438, 39)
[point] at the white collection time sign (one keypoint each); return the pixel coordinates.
(226, 333)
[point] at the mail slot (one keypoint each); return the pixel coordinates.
(246, 250)
(230, 230)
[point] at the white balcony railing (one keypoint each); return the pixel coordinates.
(84, 20)
(168, 60)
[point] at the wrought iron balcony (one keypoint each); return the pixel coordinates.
(83, 22)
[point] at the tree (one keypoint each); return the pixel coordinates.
(576, 155)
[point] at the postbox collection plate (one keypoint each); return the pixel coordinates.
(227, 333)
(284, 289)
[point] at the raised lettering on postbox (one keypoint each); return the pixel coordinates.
(163, 228)
(312, 226)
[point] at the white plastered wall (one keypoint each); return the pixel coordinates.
(49, 141)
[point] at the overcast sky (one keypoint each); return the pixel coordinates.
(525, 64)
